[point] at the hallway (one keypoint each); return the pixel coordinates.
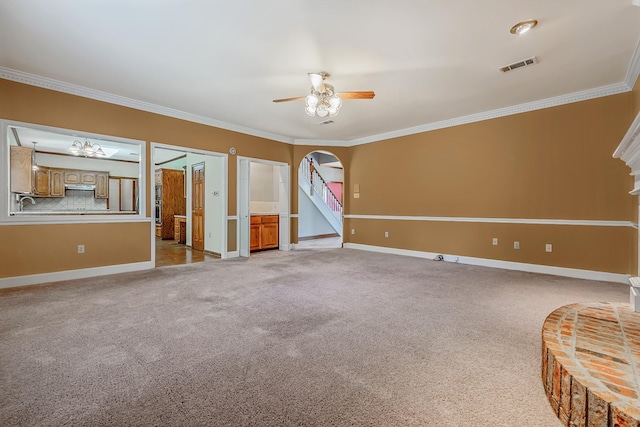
(170, 252)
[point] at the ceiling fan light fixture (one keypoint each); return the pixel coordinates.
(323, 100)
(522, 27)
(334, 105)
(322, 111)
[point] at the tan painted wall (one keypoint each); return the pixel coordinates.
(41, 106)
(38, 249)
(554, 163)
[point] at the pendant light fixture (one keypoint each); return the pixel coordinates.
(34, 164)
(86, 149)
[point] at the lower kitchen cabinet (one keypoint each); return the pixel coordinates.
(264, 232)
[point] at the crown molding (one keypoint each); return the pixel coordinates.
(501, 112)
(629, 152)
(59, 86)
(47, 83)
(322, 142)
(634, 68)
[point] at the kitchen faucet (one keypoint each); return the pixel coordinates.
(33, 202)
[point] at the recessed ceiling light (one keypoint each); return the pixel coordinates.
(524, 26)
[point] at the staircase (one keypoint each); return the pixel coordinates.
(316, 188)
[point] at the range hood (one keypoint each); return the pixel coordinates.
(86, 187)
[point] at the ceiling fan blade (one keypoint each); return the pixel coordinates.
(297, 98)
(317, 81)
(357, 95)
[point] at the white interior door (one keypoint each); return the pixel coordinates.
(283, 207)
(243, 207)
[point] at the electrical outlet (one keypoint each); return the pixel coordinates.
(495, 241)
(80, 249)
(516, 245)
(356, 195)
(549, 247)
(386, 234)
(353, 231)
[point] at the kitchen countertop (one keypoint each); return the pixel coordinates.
(263, 213)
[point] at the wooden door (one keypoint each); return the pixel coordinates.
(197, 206)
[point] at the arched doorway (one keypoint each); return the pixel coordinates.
(320, 206)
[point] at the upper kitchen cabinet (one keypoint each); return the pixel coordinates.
(56, 183)
(41, 181)
(102, 185)
(21, 169)
(65, 173)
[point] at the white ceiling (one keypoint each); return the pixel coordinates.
(49, 141)
(225, 61)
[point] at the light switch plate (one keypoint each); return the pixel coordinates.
(356, 195)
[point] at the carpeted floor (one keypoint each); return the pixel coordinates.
(330, 337)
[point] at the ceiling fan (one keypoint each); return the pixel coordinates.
(323, 99)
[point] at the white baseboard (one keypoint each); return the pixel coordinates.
(507, 265)
(232, 254)
(58, 276)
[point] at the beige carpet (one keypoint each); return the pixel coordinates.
(331, 337)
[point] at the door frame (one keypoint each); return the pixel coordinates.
(243, 199)
(225, 200)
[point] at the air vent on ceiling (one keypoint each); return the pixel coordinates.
(519, 64)
(326, 122)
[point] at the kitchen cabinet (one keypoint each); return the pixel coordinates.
(88, 178)
(102, 185)
(79, 177)
(180, 229)
(41, 182)
(71, 177)
(56, 183)
(21, 169)
(255, 243)
(264, 232)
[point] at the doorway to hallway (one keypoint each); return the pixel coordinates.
(199, 231)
